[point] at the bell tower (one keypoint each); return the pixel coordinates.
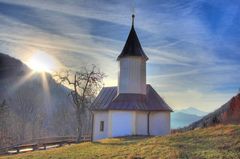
(132, 62)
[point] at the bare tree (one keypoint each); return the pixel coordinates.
(85, 84)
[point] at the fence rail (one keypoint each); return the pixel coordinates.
(42, 144)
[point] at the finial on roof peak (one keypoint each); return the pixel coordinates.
(133, 16)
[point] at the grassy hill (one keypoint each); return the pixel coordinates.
(214, 142)
(228, 113)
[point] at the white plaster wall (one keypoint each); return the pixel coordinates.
(122, 123)
(159, 123)
(141, 123)
(132, 75)
(98, 117)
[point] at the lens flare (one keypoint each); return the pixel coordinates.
(42, 62)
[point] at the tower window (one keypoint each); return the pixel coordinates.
(101, 125)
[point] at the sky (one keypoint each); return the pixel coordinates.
(192, 45)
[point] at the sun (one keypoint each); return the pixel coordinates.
(41, 62)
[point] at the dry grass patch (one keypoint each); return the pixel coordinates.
(210, 143)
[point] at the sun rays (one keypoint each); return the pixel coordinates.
(41, 66)
(40, 61)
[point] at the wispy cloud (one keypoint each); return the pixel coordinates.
(193, 46)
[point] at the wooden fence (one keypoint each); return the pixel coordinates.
(42, 144)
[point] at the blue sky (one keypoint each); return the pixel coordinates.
(192, 45)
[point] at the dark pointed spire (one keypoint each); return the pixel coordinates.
(132, 46)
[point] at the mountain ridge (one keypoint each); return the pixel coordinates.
(184, 117)
(193, 111)
(180, 119)
(228, 113)
(34, 104)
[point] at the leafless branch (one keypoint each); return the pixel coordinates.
(85, 84)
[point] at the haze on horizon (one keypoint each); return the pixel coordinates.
(193, 46)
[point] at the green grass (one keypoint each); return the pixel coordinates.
(220, 142)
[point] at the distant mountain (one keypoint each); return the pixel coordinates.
(180, 119)
(193, 111)
(229, 113)
(184, 117)
(32, 105)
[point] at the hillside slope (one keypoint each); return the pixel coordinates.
(32, 104)
(229, 113)
(209, 143)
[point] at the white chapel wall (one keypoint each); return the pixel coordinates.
(159, 123)
(132, 76)
(98, 117)
(141, 123)
(122, 123)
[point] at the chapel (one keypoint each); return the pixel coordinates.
(133, 107)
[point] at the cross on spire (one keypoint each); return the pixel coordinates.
(133, 16)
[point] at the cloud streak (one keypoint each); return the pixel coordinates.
(193, 46)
